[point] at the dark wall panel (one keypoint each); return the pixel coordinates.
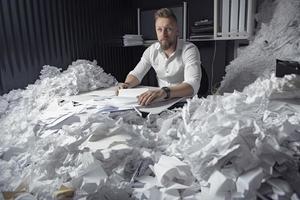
(34, 33)
(213, 58)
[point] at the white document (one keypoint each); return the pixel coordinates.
(158, 107)
(120, 101)
(96, 95)
(128, 98)
(132, 92)
(107, 101)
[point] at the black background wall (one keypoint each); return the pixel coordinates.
(34, 33)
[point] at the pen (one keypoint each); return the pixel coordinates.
(137, 110)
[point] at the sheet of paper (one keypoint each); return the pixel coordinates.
(107, 101)
(170, 171)
(158, 107)
(132, 92)
(90, 176)
(120, 101)
(220, 184)
(93, 95)
(249, 181)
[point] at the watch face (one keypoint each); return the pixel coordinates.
(167, 90)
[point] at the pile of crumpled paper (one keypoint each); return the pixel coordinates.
(239, 145)
(243, 144)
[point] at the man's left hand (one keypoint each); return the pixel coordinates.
(151, 96)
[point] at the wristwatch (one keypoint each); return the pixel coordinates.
(167, 91)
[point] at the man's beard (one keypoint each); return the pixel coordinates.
(165, 44)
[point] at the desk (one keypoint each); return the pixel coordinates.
(106, 100)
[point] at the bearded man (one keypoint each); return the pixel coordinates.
(176, 63)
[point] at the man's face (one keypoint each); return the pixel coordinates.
(166, 31)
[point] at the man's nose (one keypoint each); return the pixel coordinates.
(165, 32)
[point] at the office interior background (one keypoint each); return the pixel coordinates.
(239, 142)
(37, 33)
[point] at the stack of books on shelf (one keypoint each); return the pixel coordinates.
(132, 40)
(202, 29)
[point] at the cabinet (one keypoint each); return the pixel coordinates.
(204, 20)
(233, 19)
(220, 19)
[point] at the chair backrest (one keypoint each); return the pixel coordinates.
(150, 79)
(203, 90)
(284, 67)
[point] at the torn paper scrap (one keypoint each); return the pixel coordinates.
(170, 170)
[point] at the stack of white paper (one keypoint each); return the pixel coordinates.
(132, 40)
(132, 92)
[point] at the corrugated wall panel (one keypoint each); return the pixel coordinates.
(34, 33)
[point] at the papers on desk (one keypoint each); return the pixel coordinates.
(158, 107)
(89, 97)
(122, 102)
(105, 100)
(132, 92)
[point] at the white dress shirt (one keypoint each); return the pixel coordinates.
(182, 66)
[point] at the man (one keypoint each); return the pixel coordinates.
(177, 63)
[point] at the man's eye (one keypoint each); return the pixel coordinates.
(169, 29)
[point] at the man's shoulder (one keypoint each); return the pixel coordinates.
(151, 50)
(154, 46)
(187, 44)
(183, 45)
(189, 47)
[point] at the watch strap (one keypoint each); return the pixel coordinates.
(167, 91)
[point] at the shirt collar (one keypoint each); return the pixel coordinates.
(178, 46)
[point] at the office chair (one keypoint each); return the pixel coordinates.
(284, 67)
(203, 90)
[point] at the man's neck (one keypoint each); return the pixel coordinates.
(170, 50)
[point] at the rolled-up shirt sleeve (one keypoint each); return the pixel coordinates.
(192, 69)
(143, 66)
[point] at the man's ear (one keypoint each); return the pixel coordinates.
(177, 30)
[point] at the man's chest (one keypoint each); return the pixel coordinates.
(168, 66)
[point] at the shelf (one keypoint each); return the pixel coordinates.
(201, 39)
(218, 38)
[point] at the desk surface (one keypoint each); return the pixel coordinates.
(107, 100)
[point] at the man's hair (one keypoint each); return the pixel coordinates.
(165, 13)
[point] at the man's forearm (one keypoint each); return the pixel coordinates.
(181, 90)
(131, 81)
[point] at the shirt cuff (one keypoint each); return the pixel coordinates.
(195, 84)
(136, 75)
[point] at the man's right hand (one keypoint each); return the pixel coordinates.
(122, 86)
